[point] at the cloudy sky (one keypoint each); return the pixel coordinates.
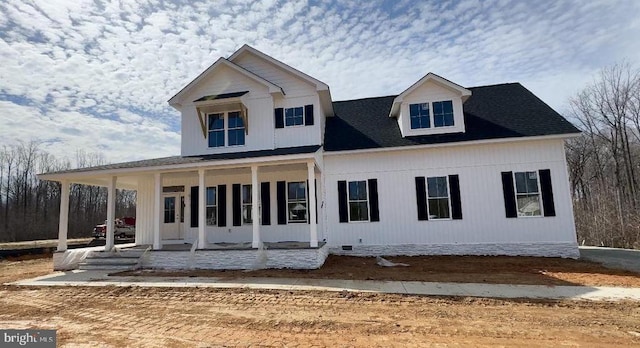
(96, 75)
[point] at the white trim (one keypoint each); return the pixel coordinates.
(219, 164)
(460, 143)
(176, 99)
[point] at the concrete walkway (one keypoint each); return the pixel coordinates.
(101, 278)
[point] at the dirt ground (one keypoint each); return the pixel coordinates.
(203, 317)
(459, 269)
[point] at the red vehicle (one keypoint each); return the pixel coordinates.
(124, 228)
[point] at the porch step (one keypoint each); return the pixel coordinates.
(122, 260)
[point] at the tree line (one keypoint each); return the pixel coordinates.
(604, 162)
(30, 208)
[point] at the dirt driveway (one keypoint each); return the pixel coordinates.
(143, 317)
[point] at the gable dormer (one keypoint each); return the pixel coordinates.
(251, 102)
(433, 105)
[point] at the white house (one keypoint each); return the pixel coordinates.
(274, 172)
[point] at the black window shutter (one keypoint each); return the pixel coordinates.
(456, 204)
(195, 193)
(222, 205)
(342, 201)
(281, 196)
(279, 114)
(308, 115)
(316, 190)
(374, 214)
(547, 192)
(509, 193)
(265, 199)
(236, 202)
(421, 198)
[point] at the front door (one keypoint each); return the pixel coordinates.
(173, 218)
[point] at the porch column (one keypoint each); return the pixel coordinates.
(202, 211)
(255, 217)
(63, 227)
(313, 221)
(111, 213)
(157, 197)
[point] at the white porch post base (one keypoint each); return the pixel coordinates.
(313, 223)
(255, 218)
(157, 196)
(63, 227)
(111, 214)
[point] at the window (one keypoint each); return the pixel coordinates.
(247, 218)
(297, 201)
(212, 206)
(438, 198)
(527, 193)
(443, 113)
(358, 204)
(293, 117)
(419, 115)
(235, 129)
(216, 130)
(169, 209)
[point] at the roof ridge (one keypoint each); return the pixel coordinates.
(378, 97)
(497, 84)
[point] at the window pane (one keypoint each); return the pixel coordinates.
(169, 209)
(532, 181)
(216, 138)
(236, 137)
(528, 205)
(297, 211)
(358, 211)
(294, 116)
(439, 208)
(246, 194)
(443, 113)
(437, 186)
(414, 109)
(297, 190)
(212, 216)
(246, 214)
(216, 121)
(437, 108)
(211, 196)
(357, 190)
(235, 120)
(447, 106)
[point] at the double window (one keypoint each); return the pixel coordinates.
(358, 202)
(234, 125)
(420, 117)
(527, 193)
(212, 206)
(297, 201)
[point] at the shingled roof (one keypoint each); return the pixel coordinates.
(492, 112)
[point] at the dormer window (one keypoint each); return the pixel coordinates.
(293, 117)
(419, 116)
(442, 114)
(230, 123)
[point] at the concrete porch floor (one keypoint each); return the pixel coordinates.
(285, 245)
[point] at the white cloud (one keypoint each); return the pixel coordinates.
(68, 66)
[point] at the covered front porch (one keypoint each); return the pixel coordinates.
(201, 213)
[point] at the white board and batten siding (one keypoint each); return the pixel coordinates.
(484, 229)
(229, 233)
(259, 104)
